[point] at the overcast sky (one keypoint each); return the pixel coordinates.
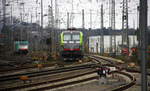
(65, 6)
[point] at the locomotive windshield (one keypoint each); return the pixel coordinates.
(76, 37)
(67, 37)
(23, 43)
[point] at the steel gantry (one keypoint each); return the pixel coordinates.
(50, 17)
(125, 39)
(112, 26)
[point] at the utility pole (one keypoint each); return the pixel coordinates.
(72, 14)
(125, 39)
(143, 44)
(23, 11)
(20, 15)
(41, 13)
(22, 18)
(4, 13)
(52, 14)
(52, 32)
(112, 26)
(133, 36)
(50, 17)
(110, 19)
(1, 7)
(31, 17)
(102, 32)
(138, 17)
(83, 19)
(91, 18)
(68, 20)
(54, 27)
(56, 14)
(11, 14)
(36, 14)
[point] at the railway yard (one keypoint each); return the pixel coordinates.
(74, 45)
(70, 76)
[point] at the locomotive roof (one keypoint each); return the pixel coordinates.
(71, 31)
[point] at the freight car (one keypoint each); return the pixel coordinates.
(71, 45)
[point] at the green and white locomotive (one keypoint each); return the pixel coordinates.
(21, 47)
(72, 45)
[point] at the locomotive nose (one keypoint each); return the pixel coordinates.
(72, 46)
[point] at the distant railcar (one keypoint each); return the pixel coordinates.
(72, 45)
(21, 47)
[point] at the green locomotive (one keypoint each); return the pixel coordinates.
(72, 45)
(21, 47)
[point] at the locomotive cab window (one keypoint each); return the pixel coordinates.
(23, 43)
(67, 37)
(76, 37)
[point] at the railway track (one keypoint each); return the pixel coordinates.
(9, 66)
(111, 63)
(54, 74)
(44, 72)
(49, 79)
(14, 63)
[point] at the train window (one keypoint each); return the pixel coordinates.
(67, 37)
(23, 43)
(76, 37)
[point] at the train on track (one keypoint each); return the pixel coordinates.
(71, 44)
(21, 47)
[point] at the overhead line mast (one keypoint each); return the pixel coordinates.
(102, 32)
(83, 22)
(50, 17)
(72, 13)
(68, 20)
(4, 12)
(41, 13)
(112, 26)
(56, 14)
(125, 39)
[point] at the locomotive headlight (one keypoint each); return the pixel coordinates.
(65, 41)
(71, 41)
(77, 42)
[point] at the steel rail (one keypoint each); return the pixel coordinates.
(48, 82)
(45, 72)
(123, 87)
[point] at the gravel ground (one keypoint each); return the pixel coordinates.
(137, 87)
(93, 85)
